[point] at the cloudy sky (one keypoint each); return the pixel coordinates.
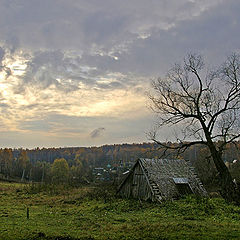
(75, 72)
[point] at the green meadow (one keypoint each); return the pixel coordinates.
(50, 212)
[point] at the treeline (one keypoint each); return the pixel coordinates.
(38, 164)
(17, 165)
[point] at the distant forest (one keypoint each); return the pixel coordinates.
(66, 164)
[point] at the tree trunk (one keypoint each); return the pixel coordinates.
(42, 175)
(228, 189)
(23, 173)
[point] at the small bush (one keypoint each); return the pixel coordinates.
(106, 192)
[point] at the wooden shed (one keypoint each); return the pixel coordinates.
(160, 179)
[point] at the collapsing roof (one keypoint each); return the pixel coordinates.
(161, 179)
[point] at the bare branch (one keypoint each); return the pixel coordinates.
(206, 109)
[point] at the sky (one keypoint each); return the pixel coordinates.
(76, 72)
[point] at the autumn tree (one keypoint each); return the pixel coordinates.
(22, 164)
(77, 170)
(205, 105)
(6, 161)
(60, 171)
(41, 172)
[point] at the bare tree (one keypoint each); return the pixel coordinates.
(205, 105)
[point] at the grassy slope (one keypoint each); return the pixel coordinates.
(77, 214)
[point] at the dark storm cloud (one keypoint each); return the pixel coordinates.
(2, 53)
(97, 132)
(33, 23)
(92, 48)
(214, 34)
(102, 32)
(112, 85)
(65, 72)
(58, 24)
(3, 68)
(80, 24)
(100, 27)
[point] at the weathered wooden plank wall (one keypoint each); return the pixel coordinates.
(136, 185)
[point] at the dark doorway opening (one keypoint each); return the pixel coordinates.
(184, 189)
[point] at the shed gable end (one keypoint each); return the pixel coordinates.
(136, 185)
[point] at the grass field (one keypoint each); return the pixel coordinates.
(93, 213)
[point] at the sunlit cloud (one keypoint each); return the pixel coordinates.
(35, 89)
